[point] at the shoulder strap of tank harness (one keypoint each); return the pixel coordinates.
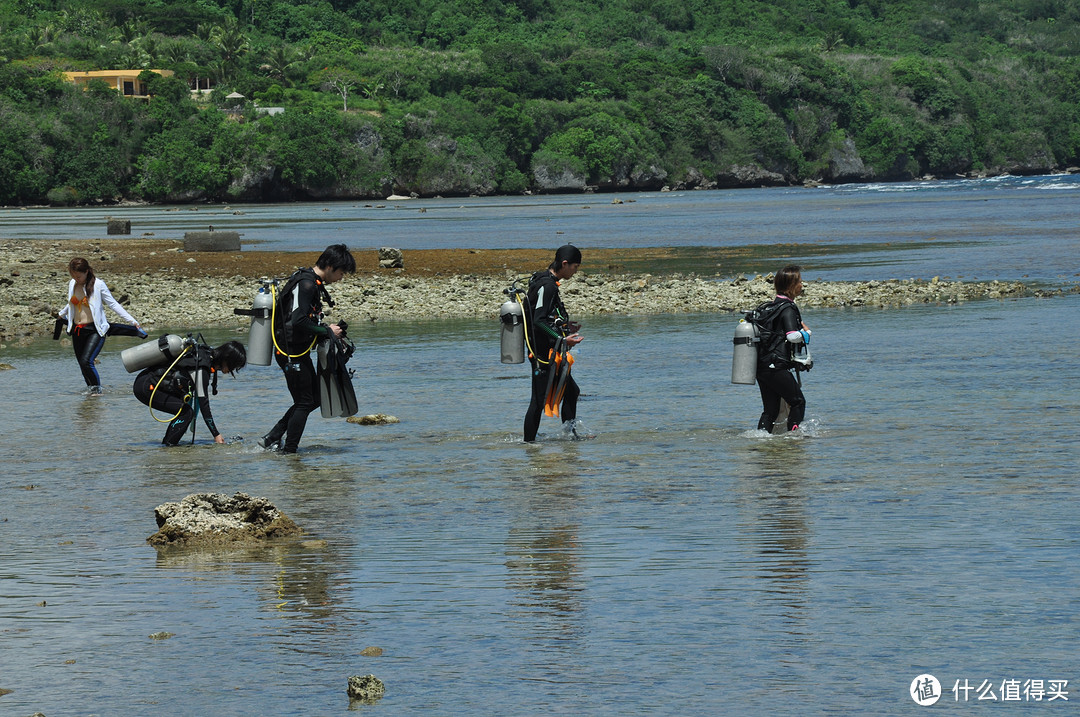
(298, 276)
(764, 314)
(763, 318)
(280, 322)
(534, 279)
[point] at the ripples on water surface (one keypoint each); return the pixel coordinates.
(678, 563)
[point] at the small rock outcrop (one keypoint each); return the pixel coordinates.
(218, 519)
(845, 164)
(118, 226)
(212, 241)
(366, 689)
(748, 176)
(373, 419)
(391, 258)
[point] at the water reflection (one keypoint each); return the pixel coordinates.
(291, 577)
(87, 413)
(544, 550)
(775, 524)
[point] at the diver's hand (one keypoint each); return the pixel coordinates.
(336, 330)
(574, 339)
(219, 439)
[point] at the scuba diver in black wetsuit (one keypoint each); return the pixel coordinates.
(550, 328)
(180, 388)
(775, 376)
(297, 328)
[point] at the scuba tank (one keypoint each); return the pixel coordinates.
(512, 335)
(260, 349)
(744, 357)
(154, 353)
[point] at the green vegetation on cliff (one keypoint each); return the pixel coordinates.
(498, 96)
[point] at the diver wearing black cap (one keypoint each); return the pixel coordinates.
(300, 304)
(552, 335)
(181, 388)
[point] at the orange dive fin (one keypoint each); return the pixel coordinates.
(551, 406)
(564, 374)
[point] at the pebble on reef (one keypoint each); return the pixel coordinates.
(366, 689)
(373, 419)
(213, 519)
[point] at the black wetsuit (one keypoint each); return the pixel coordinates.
(183, 393)
(300, 306)
(548, 321)
(775, 377)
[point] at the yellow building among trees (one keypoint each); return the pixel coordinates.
(126, 82)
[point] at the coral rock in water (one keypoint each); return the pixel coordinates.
(373, 419)
(217, 519)
(366, 689)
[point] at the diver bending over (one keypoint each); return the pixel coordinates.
(181, 390)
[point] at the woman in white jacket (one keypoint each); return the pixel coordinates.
(85, 314)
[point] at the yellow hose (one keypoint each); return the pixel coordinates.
(159, 382)
(528, 344)
(273, 323)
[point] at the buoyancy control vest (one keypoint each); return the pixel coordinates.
(547, 314)
(773, 320)
(292, 308)
(192, 374)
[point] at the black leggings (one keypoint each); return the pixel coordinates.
(87, 343)
(300, 378)
(166, 403)
(775, 384)
(568, 412)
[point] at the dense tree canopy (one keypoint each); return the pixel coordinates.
(489, 96)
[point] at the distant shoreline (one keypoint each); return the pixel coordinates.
(164, 287)
(588, 191)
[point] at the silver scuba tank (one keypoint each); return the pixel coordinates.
(744, 356)
(512, 333)
(260, 350)
(153, 353)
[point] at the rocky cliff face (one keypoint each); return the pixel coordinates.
(845, 165)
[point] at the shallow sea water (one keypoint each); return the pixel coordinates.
(925, 521)
(997, 228)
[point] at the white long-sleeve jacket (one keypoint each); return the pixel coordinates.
(101, 298)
